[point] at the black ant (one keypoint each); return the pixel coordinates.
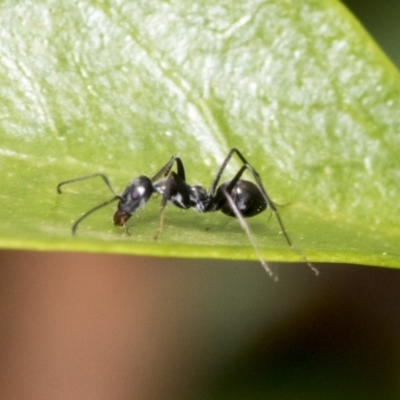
(236, 198)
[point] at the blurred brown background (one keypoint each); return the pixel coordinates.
(82, 326)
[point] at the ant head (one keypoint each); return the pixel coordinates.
(134, 196)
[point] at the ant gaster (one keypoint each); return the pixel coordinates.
(236, 198)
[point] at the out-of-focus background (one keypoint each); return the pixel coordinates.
(381, 20)
(82, 326)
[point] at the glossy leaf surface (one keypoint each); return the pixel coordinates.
(119, 87)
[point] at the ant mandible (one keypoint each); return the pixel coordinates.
(236, 198)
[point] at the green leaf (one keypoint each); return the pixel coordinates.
(119, 87)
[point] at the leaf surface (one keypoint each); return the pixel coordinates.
(119, 87)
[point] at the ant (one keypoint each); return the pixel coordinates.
(236, 198)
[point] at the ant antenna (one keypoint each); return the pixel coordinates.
(87, 213)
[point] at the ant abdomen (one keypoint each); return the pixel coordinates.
(246, 196)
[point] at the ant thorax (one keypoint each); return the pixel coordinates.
(177, 189)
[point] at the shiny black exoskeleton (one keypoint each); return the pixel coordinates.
(236, 198)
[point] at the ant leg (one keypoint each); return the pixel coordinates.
(291, 245)
(246, 228)
(256, 176)
(227, 195)
(160, 223)
(272, 205)
(180, 197)
(82, 178)
(263, 192)
(164, 200)
(164, 171)
(217, 177)
(214, 183)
